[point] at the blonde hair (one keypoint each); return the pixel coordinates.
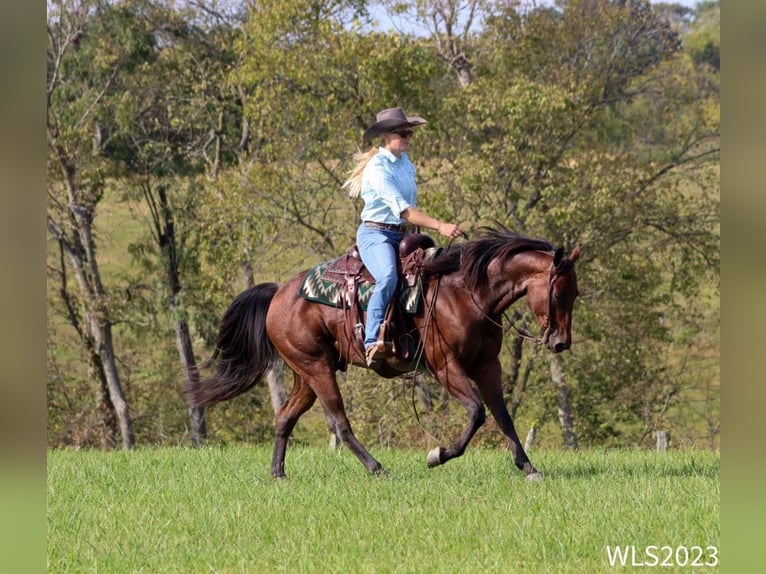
(354, 181)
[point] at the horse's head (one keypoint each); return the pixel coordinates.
(551, 300)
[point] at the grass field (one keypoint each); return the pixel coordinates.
(218, 510)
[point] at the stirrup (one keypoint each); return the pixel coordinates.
(375, 354)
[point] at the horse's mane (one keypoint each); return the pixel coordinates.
(472, 258)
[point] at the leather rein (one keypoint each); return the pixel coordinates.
(546, 329)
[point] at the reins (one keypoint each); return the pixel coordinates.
(429, 316)
(546, 330)
(523, 334)
(422, 347)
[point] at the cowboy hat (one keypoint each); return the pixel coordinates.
(391, 119)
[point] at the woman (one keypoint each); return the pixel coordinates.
(385, 177)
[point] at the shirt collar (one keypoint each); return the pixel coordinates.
(390, 156)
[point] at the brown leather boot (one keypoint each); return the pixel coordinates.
(375, 354)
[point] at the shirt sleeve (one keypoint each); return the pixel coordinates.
(383, 182)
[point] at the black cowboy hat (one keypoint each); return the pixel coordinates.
(391, 119)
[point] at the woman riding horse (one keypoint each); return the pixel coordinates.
(467, 288)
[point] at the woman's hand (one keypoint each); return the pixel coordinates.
(451, 230)
(418, 218)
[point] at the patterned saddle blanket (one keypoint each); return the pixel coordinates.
(325, 284)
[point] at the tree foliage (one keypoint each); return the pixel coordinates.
(588, 122)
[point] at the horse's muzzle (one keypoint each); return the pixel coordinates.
(560, 346)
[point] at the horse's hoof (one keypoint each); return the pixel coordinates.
(534, 477)
(434, 457)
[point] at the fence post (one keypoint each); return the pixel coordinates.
(530, 438)
(662, 440)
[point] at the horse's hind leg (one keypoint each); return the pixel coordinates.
(330, 397)
(321, 376)
(488, 379)
(315, 378)
(301, 399)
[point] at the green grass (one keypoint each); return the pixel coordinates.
(218, 510)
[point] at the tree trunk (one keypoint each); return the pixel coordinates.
(106, 408)
(102, 331)
(463, 70)
(164, 226)
(275, 377)
(189, 363)
(248, 273)
(423, 393)
(512, 392)
(530, 440)
(96, 336)
(80, 251)
(335, 441)
(563, 404)
(450, 23)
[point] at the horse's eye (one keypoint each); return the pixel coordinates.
(559, 297)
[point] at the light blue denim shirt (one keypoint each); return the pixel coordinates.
(388, 187)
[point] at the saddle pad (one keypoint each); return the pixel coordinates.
(318, 288)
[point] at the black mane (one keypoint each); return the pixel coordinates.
(473, 257)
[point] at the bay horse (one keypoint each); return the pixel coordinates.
(466, 289)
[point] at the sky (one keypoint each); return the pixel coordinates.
(386, 23)
(687, 3)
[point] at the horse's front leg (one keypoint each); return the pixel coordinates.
(488, 377)
(461, 388)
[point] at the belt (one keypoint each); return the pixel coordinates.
(386, 226)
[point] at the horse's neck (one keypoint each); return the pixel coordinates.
(508, 281)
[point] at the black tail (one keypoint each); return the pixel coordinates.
(243, 351)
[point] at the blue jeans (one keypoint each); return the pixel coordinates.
(379, 251)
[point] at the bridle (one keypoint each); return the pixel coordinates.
(546, 327)
(546, 334)
(546, 331)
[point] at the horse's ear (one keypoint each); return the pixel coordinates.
(558, 256)
(575, 255)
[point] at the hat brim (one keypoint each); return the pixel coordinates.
(391, 124)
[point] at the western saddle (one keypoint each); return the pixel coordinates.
(349, 270)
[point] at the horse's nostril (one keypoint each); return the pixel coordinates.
(561, 347)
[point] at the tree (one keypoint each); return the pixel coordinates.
(157, 143)
(174, 131)
(76, 174)
(588, 122)
(586, 125)
(452, 26)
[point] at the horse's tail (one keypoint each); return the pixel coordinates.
(243, 351)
